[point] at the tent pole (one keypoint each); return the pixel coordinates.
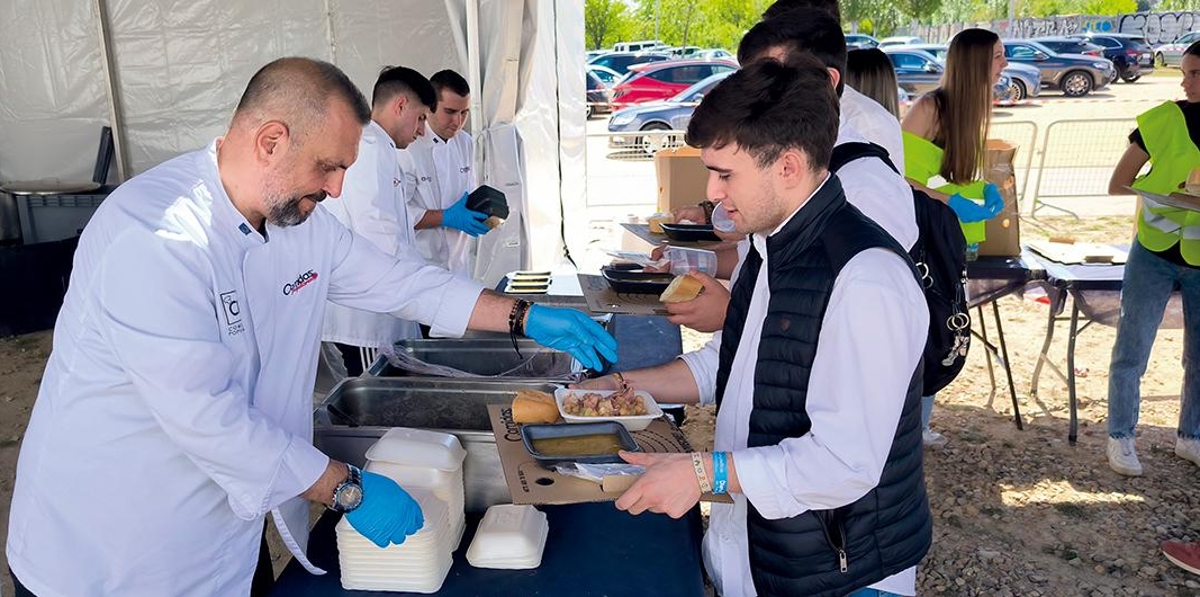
(115, 114)
(474, 76)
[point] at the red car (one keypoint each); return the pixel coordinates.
(664, 80)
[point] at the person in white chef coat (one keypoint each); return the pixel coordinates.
(444, 167)
(373, 204)
(817, 373)
(175, 411)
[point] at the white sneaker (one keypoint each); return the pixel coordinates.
(1122, 457)
(933, 439)
(1188, 449)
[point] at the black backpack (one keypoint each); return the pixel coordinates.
(940, 255)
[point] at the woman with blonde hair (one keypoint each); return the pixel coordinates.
(944, 134)
(871, 73)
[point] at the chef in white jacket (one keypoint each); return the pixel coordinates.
(373, 204)
(175, 410)
(445, 172)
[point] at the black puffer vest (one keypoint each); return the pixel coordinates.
(822, 553)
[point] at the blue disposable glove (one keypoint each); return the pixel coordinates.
(573, 332)
(387, 513)
(457, 216)
(992, 200)
(967, 210)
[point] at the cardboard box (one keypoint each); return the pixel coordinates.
(1003, 231)
(530, 483)
(682, 177)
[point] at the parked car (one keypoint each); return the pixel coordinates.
(683, 52)
(1024, 81)
(594, 53)
(607, 75)
(860, 41)
(599, 95)
(1071, 45)
(660, 81)
(917, 71)
(621, 61)
(1172, 54)
(899, 40)
(638, 46)
(1075, 74)
(672, 114)
(715, 54)
(1130, 54)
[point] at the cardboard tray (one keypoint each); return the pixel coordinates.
(531, 483)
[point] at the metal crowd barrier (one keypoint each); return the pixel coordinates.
(1077, 159)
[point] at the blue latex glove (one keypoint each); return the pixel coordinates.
(967, 210)
(992, 200)
(387, 513)
(457, 216)
(573, 332)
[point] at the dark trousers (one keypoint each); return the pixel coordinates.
(352, 358)
(264, 575)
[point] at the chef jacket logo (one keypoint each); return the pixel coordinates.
(232, 311)
(464, 170)
(301, 281)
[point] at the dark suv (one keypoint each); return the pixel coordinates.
(1130, 54)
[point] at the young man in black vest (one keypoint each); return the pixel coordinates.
(818, 373)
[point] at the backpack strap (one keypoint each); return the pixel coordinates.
(848, 152)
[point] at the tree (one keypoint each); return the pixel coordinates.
(1107, 7)
(605, 22)
(920, 11)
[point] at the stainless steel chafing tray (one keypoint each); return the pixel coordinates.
(482, 356)
(360, 410)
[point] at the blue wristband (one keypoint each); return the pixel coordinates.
(720, 474)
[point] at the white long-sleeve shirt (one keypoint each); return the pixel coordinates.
(872, 336)
(176, 407)
(874, 122)
(445, 169)
(374, 206)
(879, 192)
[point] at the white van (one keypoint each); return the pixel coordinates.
(637, 46)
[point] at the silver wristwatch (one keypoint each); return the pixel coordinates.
(348, 495)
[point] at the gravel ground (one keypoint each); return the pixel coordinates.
(1018, 513)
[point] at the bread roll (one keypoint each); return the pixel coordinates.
(531, 406)
(493, 222)
(682, 289)
(1193, 182)
(657, 220)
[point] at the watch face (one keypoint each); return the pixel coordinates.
(350, 497)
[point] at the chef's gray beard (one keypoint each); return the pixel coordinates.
(288, 213)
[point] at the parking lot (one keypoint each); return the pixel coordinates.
(621, 182)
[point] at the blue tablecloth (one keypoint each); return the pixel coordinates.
(592, 550)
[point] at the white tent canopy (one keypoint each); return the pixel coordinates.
(167, 74)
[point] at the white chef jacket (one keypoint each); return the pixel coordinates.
(445, 169)
(176, 408)
(374, 206)
(874, 122)
(872, 336)
(881, 193)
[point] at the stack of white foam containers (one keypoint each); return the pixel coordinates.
(429, 466)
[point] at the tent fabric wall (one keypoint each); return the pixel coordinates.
(52, 94)
(180, 68)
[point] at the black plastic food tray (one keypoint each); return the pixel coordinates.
(529, 433)
(690, 232)
(635, 280)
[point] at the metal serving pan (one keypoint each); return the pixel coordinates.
(482, 356)
(360, 410)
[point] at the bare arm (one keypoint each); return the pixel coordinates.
(491, 312)
(431, 219)
(671, 382)
(921, 121)
(322, 491)
(1127, 169)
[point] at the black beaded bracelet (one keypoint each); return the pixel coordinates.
(516, 322)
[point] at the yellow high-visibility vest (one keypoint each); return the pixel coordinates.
(1173, 155)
